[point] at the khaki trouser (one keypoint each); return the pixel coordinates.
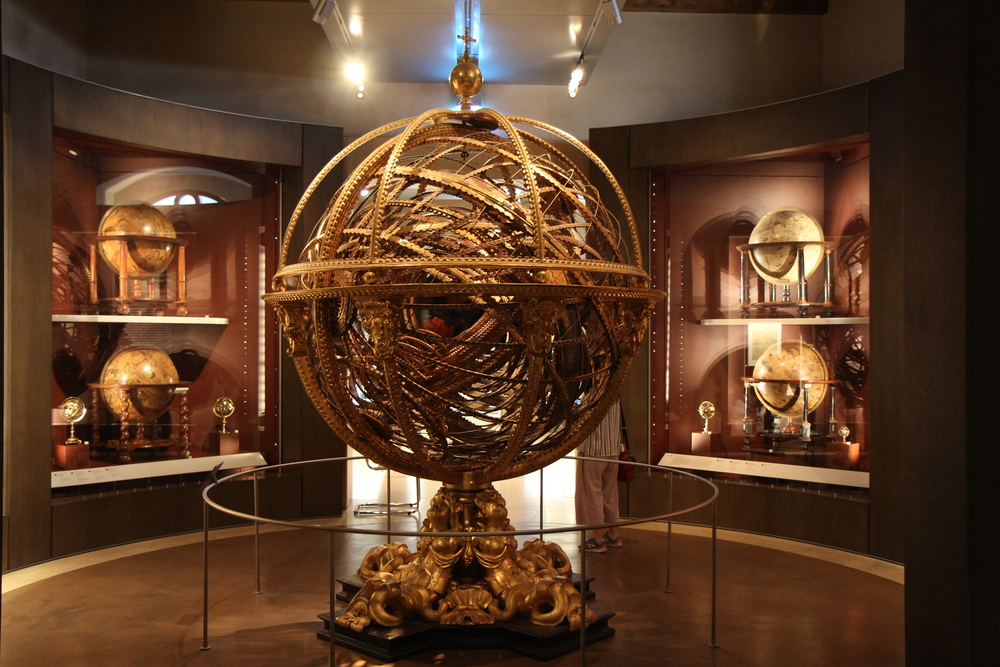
(597, 490)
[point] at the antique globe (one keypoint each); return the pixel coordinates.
(139, 383)
(776, 234)
(143, 257)
(783, 370)
(467, 306)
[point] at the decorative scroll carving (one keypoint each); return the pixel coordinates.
(466, 579)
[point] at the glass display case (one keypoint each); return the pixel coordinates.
(766, 264)
(158, 261)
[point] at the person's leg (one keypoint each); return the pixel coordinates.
(609, 499)
(589, 505)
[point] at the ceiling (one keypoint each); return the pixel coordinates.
(527, 42)
(520, 41)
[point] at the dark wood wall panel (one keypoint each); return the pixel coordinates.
(887, 285)
(28, 313)
(984, 364)
(935, 126)
(103, 112)
(797, 515)
(611, 146)
(950, 369)
(305, 435)
(805, 122)
(95, 523)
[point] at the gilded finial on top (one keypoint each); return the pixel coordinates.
(466, 78)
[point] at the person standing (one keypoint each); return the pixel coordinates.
(597, 480)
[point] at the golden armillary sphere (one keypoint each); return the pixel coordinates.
(466, 307)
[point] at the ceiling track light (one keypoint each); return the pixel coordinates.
(355, 72)
(322, 11)
(605, 8)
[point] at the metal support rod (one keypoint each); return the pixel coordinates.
(803, 285)
(541, 502)
(772, 292)
(805, 428)
(204, 555)
(583, 598)
(333, 602)
(748, 422)
(670, 529)
(832, 429)
(388, 503)
(744, 286)
(828, 278)
(715, 525)
(256, 529)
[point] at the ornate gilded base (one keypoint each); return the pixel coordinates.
(466, 579)
(518, 636)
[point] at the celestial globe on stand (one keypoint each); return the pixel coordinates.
(138, 370)
(782, 370)
(144, 258)
(780, 231)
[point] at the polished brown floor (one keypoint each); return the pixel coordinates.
(775, 609)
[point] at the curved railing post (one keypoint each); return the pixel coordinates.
(333, 602)
(204, 553)
(715, 524)
(256, 529)
(583, 598)
(670, 528)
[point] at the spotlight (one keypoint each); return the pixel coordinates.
(323, 10)
(355, 72)
(575, 78)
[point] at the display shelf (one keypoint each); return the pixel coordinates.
(105, 474)
(139, 319)
(797, 321)
(798, 473)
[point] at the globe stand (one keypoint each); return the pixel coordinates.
(132, 433)
(802, 305)
(523, 599)
(139, 292)
(804, 431)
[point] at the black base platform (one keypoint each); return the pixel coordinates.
(519, 636)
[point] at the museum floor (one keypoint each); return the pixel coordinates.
(780, 603)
